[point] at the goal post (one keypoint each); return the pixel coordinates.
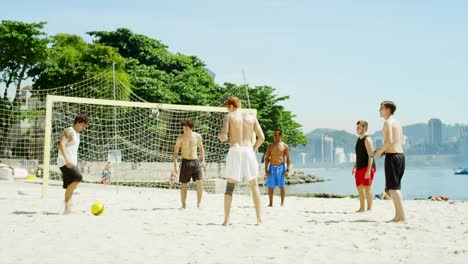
(142, 133)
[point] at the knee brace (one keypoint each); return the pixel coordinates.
(229, 188)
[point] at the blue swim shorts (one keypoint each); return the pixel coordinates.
(276, 177)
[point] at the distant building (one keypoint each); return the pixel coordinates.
(303, 155)
(340, 156)
(435, 131)
(463, 144)
(210, 73)
(323, 149)
(462, 131)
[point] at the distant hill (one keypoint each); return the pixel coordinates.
(416, 133)
(341, 138)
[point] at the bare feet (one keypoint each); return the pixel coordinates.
(398, 220)
(67, 209)
(360, 210)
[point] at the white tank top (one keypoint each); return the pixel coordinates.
(72, 150)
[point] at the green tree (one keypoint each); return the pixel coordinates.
(158, 75)
(71, 60)
(22, 46)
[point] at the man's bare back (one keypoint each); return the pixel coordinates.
(241, 128)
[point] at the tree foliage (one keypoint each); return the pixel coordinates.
(158, 75)
(70, 60)
(22, 46)
(143, 63)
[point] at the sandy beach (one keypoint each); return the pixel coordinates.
(145, 225)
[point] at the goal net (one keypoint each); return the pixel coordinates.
(137, 138)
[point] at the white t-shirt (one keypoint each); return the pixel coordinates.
(72, 150)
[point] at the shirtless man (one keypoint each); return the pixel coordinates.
(392, 148)
(241, 160)
(189, 141)
(275, 168)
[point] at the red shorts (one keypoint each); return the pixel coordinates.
(361, 173)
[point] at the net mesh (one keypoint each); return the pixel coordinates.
(137, 139)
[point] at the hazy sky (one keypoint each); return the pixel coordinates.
(336, 59)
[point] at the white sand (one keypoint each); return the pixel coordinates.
(142, 225)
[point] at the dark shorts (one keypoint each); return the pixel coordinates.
(190, 169)
(70, 175)
(394, 170)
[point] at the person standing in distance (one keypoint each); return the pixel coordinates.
(392, 148)
(275, 166)
(364, 167)
(241, 160)
(190, 168)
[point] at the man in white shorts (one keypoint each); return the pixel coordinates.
(241, 159)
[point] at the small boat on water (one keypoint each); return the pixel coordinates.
(461, 170)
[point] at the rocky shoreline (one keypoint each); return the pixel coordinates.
(299, 177)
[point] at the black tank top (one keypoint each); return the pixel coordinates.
(362, 158)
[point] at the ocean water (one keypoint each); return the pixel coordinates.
(416, 183)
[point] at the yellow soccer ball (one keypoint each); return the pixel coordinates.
(97, 208)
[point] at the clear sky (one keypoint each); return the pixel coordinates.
(336, 59)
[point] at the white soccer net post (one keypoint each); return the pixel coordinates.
(136, 137)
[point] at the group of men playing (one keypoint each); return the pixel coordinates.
(241, 128)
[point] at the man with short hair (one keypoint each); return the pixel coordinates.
(392, 148)
(241, 160)
(67, 159)
(275, 166)
(190, 168)
(364, 167)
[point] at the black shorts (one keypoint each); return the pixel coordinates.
(190, 169)
(70, 175)
(394, 170)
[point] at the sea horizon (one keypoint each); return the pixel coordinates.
(417, 183)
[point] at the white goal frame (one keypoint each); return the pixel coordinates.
(51, 99)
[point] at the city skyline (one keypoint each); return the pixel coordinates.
(337, 61)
